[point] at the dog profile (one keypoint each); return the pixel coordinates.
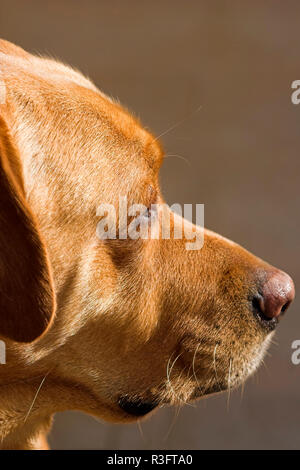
(111, 327)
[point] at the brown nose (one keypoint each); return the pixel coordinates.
(278, 292)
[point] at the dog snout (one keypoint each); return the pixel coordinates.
(275, 295)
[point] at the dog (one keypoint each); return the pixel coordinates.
(113, 327)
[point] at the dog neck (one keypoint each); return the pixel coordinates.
(27, 407)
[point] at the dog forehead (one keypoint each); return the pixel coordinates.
(119, 126)
(65, 94)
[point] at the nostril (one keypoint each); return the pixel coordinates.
(256, 304)
(258, 308)
(285, 307)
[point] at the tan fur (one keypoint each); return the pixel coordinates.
(138, 318)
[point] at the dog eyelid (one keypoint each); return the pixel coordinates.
(153, 196)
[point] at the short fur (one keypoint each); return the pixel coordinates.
(145, 319)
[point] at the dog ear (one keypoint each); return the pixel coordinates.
(27, 302)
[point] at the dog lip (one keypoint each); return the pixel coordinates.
(136, 407)
(267, 324)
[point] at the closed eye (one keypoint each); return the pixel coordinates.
(150, 212)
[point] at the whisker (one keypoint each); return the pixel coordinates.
(178, 123)
(169, 372)
(175, 417)
(194, 372)
(266, 367)
(35, 396)
(141, 431)
(242, 390)
(182, 371)
(178, 156)
(214, 365)
(228, 382)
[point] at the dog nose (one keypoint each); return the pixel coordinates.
(277, 293)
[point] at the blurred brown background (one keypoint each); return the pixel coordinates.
(239, 154)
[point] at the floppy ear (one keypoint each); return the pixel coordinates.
(26, 290)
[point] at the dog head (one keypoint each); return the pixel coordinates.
(140, 322)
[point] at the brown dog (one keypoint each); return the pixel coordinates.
(117, 327)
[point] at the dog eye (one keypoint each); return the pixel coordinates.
(147, 214)
(151, 212)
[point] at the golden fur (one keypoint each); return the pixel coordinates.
(144, 319)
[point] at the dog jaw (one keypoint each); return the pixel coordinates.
(139, 324)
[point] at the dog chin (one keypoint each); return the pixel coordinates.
(134, 408)
(240, 371)
(247, 366)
